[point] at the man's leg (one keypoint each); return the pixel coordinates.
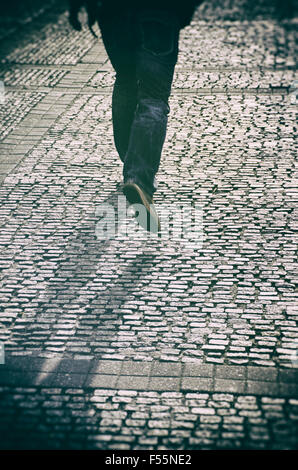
(117, 35)
(157, 36)
(124, 102)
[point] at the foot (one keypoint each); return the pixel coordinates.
(149, 220)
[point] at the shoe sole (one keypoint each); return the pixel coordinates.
(135, 195)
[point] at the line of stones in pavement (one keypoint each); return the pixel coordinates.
(70, 67)
(192, 91)
(155, 375)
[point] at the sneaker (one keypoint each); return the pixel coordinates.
(136, 195)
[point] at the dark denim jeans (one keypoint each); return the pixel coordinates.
(143, 49)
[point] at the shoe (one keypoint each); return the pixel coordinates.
(137, 195)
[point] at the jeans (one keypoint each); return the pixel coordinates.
(142, 46)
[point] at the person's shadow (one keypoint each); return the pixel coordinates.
(93, 280)
(92, 283)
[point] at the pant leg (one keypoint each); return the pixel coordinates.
(118, 38)
(157, 37)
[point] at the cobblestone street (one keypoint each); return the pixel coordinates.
(146, 343)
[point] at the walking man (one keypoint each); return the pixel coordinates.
(141, 38)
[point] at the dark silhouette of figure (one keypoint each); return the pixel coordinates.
(141, 39)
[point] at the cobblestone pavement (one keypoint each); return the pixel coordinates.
(148, 344)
